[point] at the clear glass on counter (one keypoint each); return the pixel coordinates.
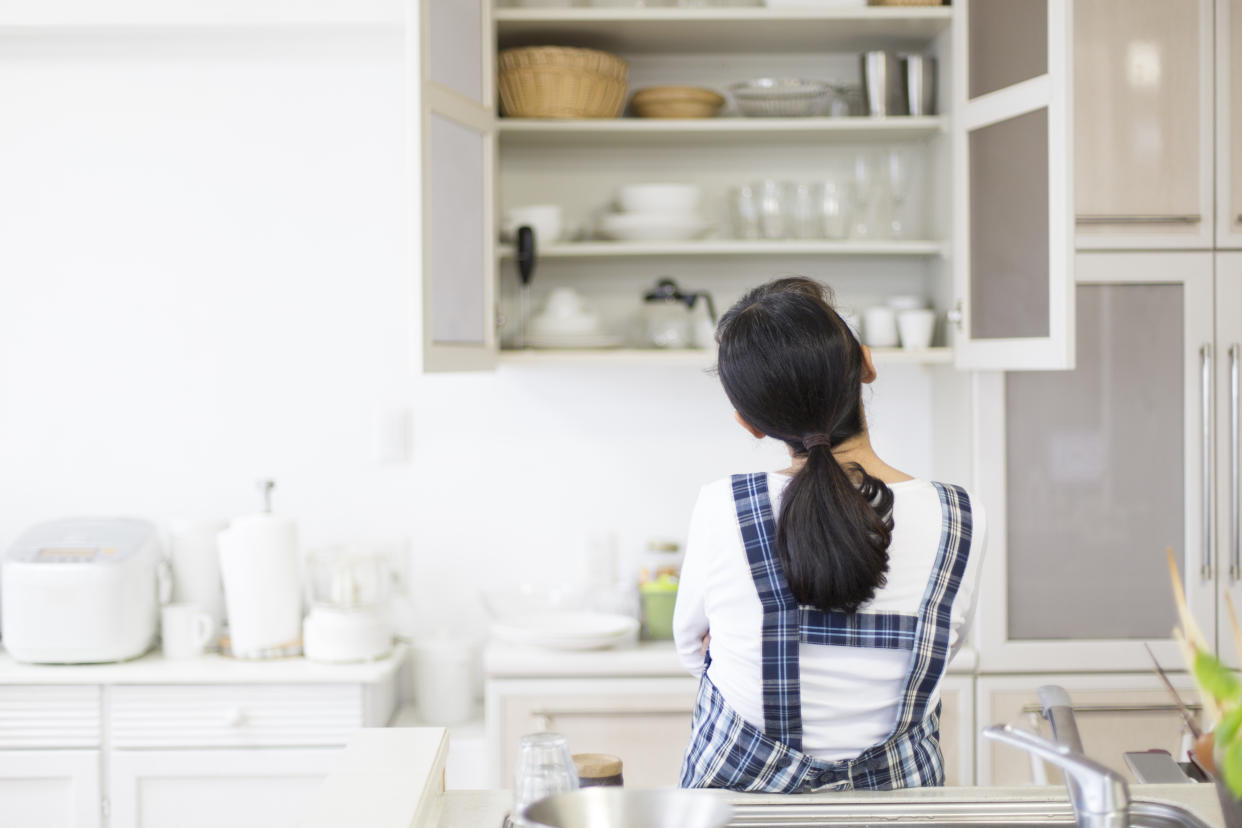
(544, 767)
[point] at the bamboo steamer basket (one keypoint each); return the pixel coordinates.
(676, 102)
(561, 82)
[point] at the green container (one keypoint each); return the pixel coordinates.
(658, 599)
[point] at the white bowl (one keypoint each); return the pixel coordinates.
(584, 323)
(659, 198)
(653, 226)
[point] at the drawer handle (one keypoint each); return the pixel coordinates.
(1088, 709)
(234, 717)
(1138, 219)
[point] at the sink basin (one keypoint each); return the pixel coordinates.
(984, 814)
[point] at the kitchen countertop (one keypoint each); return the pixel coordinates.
(394, 778)
(643, 660)
(153, 668)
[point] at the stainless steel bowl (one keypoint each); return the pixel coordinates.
(625, 808)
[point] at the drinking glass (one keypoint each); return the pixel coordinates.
(833, 210)
(745, 210)
(544, 767)
(898, 190)
(803, 218)
(772, 214)
(864, 185)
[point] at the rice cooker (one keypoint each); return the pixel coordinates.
(82, 590)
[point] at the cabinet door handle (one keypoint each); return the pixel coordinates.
(1235, 522)
(1205, 479)
(1090, 709)
(1140, 219)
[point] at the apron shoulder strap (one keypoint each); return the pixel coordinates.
(782, 700)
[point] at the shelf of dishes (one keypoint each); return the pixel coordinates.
(696, 357)
(724, 29)
(867, 212)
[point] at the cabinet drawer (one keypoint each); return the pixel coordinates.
(49, 716)
(234, 715)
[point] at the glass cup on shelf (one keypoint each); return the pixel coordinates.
(834, 217)
(773, 215)
(899, 170)
(863, 185)
(744, 212)
(544, 767)
(803, 212)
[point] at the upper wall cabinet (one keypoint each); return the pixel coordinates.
(1143, 123)
(1229, 123)
(452, 49)
(1014, 214)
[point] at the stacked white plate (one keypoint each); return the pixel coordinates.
(565, 630)
(566, 322)
(656, 212)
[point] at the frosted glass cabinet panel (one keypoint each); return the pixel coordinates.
(1143, 123)
(1008, 43)
(1090, 475)
(1229, 123)
(1229, 439)
(1096, 473)
(1009, 224)
(457, 139)
(1013, 263)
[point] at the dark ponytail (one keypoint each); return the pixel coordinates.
(792, 368)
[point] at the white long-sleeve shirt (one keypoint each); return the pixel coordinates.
(849, 695)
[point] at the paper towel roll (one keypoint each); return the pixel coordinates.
(262, 585)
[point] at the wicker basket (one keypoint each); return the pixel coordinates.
(676, 102)
(560, 82)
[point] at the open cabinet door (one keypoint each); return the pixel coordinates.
(452, 52)
(1014, 211)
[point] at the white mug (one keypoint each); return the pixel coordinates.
(185, 630)
(917, 328)
(880, 327)
(543, 219)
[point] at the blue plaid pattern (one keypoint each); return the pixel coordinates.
(726, 751)
(879, 630)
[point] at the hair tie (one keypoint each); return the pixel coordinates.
(813, 440)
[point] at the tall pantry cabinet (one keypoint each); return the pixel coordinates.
(1093, 472)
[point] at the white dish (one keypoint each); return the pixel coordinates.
(584, 324)
(653, 226)
(659, 198)
(567, 630)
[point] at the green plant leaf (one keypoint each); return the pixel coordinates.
(1228, 727)
(1232, 768)
(1217, 680)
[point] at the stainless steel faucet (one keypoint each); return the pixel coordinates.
(1100, 795)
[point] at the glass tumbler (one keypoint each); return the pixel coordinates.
(773, 216)
(544, 767)
(834, 212)
(803, 212)
(745, 212)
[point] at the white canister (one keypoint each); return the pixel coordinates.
(445, 675)
(262, 586)
(917, 328)
(880, 327)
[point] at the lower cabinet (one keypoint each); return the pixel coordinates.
(1115, 713)
(646, 722)
(202, 788)
(50, 788)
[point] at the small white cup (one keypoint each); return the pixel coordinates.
(185, 630)
(544, 219)
(880, 327)
(917, 327)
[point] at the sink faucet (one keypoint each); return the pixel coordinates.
(1100, 795)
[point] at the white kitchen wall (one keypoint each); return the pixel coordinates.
(205, 280)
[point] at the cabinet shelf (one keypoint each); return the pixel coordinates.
(732, 247)
(724, 29)
(141, 14)
(606, 131)
(695, 358)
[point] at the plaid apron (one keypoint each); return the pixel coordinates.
(726, 751)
